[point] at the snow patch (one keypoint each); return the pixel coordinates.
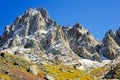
(89, 64)
(106, 62)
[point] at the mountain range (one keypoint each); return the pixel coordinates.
(37, 39)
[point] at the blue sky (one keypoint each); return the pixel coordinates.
(98, 16)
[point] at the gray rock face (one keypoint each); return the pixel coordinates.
(82, 42)
(110, 44)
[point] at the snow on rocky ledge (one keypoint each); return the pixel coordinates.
(88, 64)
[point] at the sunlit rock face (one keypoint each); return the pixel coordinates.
(111, 44)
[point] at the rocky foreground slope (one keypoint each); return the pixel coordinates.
(36, 38)
(13, 67)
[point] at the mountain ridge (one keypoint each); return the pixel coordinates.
(35, 26)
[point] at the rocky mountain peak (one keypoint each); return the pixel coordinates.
(31, 21)
(37, 11)
(80, 28)
(111, 44)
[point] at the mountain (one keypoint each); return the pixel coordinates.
(37, 38)
(111, 44)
